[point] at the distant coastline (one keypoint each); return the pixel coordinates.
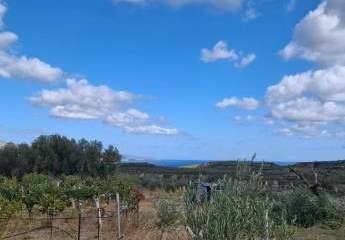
(186, 163)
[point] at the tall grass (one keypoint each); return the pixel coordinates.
(239, 210)
(305, 209)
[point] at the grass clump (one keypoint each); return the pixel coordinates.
(168, 216)
(305, 209)
(240, 209)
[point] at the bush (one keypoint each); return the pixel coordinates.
(167, 214)
(306, 209)
(52, 201)
(240, 209)
(7, 209)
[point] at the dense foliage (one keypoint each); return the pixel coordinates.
(303, 208)
(239, 209)
(56, 155)
(38, 193)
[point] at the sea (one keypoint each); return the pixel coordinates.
(186, 163)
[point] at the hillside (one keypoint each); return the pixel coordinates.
(331, 174)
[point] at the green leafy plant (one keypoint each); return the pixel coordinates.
(52, 201)
(167, 215)
(306, 209)
(7, 209)
(31, 190)
(239, 209)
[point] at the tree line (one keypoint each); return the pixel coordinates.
(58, 155)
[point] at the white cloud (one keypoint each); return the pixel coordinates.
(312, 103)
(152, 129)
(74, 112)
(22, 67)
(221, 51)
(130, 117)
(309, 98)
(319, 36)
(326, 84)
(27, 68)
(224, 5)
(81, 100)
(245, 103)
(246, 60)
(306, 130)
(7, 39)
(317, 95)
(309, 110)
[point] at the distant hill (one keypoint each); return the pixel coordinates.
(2, 143)
(331, 174)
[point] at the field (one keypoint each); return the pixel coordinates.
(147, 227)
(247, 201)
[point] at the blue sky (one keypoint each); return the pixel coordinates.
(171, 79)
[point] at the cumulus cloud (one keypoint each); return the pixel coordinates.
(27, 68)
(311, 103)
(245, 103)
(319, 37)
(80, 93)
(7, 39)
(224, 5)
(305, 129)
(309, 99)
(311, 96)
(82, 100)
(325, 84)
(221, 51)
(310, 110)
(22, 67)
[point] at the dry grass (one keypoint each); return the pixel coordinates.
(321, 233)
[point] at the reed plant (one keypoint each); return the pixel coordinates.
(239, 209)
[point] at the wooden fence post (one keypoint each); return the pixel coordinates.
(79, 223)
(99, 217)
(118, 216)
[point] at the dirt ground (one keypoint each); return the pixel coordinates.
(134, 228)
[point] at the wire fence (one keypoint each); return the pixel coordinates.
(90, 223)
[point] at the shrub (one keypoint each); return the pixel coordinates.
(167, 214)
(7, 209)
(52, 201)
(240, 209)
(306, 209)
